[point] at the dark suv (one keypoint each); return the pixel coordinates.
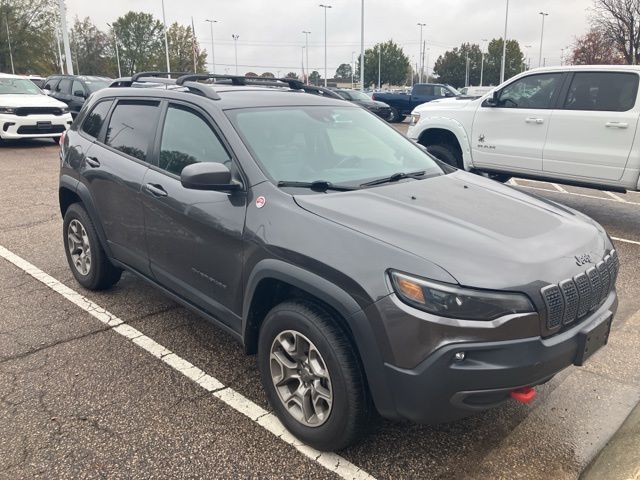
(364, 273)
(74, 89)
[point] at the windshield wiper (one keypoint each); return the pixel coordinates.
(316, 186)
(393, 178)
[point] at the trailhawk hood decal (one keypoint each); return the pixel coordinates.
(483, 233)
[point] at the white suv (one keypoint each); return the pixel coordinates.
(26, 112)
(574, 125)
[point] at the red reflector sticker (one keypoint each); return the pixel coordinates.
(523, 395)
(260, 201)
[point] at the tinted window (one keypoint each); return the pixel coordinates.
(132, 126)
(534, 91)
(423, 90)
(51, 84)
(604, 91)
(187, 138)
(77, 89)
(93, 122)
(64, 86)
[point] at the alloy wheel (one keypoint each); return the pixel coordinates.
(79, 247)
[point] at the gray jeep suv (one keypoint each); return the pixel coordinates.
(366, 275)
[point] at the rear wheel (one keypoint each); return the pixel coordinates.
(447, 153)
(85, 255)
(395, 116)
(56, 139)
(312, 377)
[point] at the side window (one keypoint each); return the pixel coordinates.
(95, 119)
(51, 84)
(602, 91)
(423, 90)
(440, 91)
(78, 89)
(187, 138)
(64, 86)
(533, 91)
(132, 127)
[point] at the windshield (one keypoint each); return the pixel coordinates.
(18, 86)
(341, 145)
(95, 85)
(356, 95)
(453, 90)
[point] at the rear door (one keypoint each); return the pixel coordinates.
(195, 237)
(62, 90)
(78, 96)
(592, 131)
(114, 169)
(511, 135)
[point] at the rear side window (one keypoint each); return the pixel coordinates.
(187, 138)
(423, 90)
(64, 86)
(602, 91)
(132, 127)
(95, 119)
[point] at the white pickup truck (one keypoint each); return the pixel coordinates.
(574, 125)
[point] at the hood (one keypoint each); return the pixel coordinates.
(371, 104)
(485, 234)
(453, 103)
(8, 100)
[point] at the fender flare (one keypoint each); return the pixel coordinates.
(81, 190)
(366, 342)
(457, 129)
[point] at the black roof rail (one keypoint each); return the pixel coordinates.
(137, 76)
(203, 89)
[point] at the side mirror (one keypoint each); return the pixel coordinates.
(79, 93)
(207, 176)
(492, 101)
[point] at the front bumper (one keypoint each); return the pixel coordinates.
(33, 126)
(441, 388)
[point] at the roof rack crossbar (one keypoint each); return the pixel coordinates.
(136, 76)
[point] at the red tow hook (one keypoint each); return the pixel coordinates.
(523, 395)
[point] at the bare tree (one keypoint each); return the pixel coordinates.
(595, 48)
(619, 20)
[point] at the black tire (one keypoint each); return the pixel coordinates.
(101, 273)
(352, 408)
(447, 153)
(499, 177)
(395, 116)
(56, 140)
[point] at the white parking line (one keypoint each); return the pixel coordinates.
(634, 242)
(331, 461)
(626, 202)
(559, 188)
(616, 197)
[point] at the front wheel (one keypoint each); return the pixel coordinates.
(395, 116)
(312, 377)
(447, 153)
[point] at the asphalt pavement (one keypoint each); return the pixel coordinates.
(84, 397)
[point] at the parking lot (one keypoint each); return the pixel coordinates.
(173, 396)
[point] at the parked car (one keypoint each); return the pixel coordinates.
(26, 112)
(379, 108)
(402, 104)
(74, 89)
(362, 271)
(575, 125)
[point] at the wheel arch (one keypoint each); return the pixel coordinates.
(451, 132)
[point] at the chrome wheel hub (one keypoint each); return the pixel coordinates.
(79, 247)
(300, 376)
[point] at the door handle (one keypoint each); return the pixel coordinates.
(93, 162)
(155, 190)
(538, 121)
(616, 125)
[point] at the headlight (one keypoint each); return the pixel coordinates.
(451, 301)
(10, 110)
(65, 109)
(415, 118)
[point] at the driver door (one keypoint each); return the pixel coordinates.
(510, 135)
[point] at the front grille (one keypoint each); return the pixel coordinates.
(571, 299)
(25, 111)
(34, 130)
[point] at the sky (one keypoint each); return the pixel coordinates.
(271, 38)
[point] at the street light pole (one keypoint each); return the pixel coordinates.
(235, 46)
(353, 68)
(484, 45)
(325, 7)
(543, 14)
(421, 56)
(166, 40)
(504, 44)
(65, 36)
(6, 21)
(379, 66)
(306, 45)
(362, 47)
(115, 39)
(59, 51)
(213, 54)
